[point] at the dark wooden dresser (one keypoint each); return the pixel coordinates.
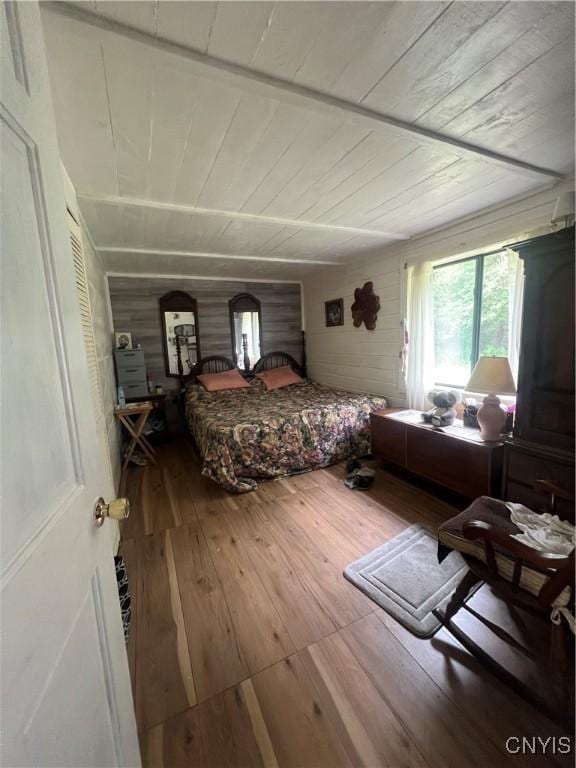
(455, 458)
(542, 446)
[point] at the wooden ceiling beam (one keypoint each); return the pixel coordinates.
(276, 88)
(211, 278)
(202, 255)
(240, 216)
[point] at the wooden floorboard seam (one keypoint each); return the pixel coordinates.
(250, 677)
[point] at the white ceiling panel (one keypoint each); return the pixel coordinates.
(214, 108)
(238, 30)
(451, 33)
(469, 199)
(365, 193)
(246, 131)
(506, 63)
(81, 100)
(133, 262)
(396, 30)
(141, 16)
(136, 226)
(442, 72)
(217, 148)
(188, 24)
(315, 133)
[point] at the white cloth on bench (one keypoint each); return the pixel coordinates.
(542, 531)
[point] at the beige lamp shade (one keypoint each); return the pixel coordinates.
(492, 375)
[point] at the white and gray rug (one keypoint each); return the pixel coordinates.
(403, 576)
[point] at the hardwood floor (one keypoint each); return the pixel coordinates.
(249, 648)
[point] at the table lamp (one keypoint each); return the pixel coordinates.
(492, 375)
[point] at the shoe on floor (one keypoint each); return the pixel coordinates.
(360, 479)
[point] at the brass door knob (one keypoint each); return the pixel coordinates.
(119, 509)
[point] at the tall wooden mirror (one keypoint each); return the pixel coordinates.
(179, 320)
(246, 330)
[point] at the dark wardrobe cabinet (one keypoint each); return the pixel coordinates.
(542, 446)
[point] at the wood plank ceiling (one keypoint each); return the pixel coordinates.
(274, 145)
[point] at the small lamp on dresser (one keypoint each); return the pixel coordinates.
(492, 375)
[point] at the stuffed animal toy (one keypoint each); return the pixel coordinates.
(443, 414)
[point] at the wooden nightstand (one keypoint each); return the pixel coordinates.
(455, 457)
(162, 405)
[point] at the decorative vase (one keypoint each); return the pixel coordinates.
(491, 418)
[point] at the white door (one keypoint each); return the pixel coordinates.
(66, 698)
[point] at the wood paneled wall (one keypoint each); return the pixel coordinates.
(135, 308)
(369, 361)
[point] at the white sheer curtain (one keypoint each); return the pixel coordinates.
(420, 358)
(515, 295)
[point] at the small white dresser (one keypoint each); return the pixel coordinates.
(131, 372)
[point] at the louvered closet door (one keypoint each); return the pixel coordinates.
(83, 290)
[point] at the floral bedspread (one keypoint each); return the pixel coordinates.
(250, 434)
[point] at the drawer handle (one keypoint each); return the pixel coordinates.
(134, 386)
(131, 370)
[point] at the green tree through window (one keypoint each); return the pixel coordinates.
(470, 314)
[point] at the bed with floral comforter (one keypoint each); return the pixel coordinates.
(249, 434)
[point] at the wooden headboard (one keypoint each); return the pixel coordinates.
(213, 364)
(277, 360)
(219, 364)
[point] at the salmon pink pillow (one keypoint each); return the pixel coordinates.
(214, 382)
(279, 377)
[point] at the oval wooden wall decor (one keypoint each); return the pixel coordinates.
(365, 307)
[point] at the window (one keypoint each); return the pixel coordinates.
(471, 314)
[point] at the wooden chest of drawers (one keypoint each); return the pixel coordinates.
(526, 462)
(454, 458)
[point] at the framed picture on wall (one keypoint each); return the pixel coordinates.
(123, 340)
(334, 311)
